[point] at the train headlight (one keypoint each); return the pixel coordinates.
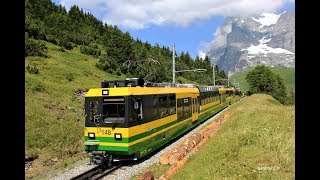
(91, 135)
(117, 136)
(105, 92)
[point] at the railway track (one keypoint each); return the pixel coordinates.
(96, 173)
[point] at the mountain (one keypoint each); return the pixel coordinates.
(243, 42)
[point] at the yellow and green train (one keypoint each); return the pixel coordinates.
(129, 119)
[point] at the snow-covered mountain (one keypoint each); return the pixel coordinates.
(243, 42)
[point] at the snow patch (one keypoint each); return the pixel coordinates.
(263, 40)
(263, 62)
(242, 21)
(267, 19)
(250, 57)
(263, 48)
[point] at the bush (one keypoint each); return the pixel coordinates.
(35, 48)
(78, 38)
(118, 71)
(51, 38)
(32, 69)
(62, 49)
(69, 76)
(94, 45)
(87, 72)
(90, 51)
(64, 42)
(106, 63)
(34, 84)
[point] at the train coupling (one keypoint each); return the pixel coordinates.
(100, 158)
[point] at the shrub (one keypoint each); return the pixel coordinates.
(35, 48)
(87, 72)
(51, 38)
(69, 76)
(64, 42)
(62, 49)
(34, 84)
(106, 63)
(32, 69)
(90, 51)
(94, 45)
(118, 71)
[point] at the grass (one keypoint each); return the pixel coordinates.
(256, 142)
(288, 75)
(53, 112)
(156, 169)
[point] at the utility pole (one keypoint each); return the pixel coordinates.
(228, 79)
(173, 66)
(213, 74)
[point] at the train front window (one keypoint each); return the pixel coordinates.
(93, 110)
(113, 110)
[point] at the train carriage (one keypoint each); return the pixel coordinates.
(131, 122)
(127, 120)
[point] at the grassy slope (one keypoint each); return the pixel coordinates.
(288, 75)
(256, 142)
(54, 116)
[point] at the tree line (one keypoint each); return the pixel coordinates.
(262, 80)
(117, 52)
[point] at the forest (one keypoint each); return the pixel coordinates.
(117, 51)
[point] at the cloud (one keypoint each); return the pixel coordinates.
(138, 14)
(220, 38)
(202, 55)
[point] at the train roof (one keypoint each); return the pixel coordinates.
(127, 91)
(208, 88)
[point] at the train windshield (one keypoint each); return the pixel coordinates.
(113, 110)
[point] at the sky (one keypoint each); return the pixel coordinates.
(187, 24)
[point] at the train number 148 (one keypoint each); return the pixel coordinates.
(106, 132)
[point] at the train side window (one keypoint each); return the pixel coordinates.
(198, 104)
(134, 112)
(155, 107)
(186, 108)
(194, 106)
(180, 109)
(172, 104)
(136, 109)
(190, 107)
(163, 103)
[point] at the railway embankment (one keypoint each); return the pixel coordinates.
(255, 141)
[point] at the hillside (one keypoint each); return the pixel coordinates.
(256, 142)
(288, 75)
(54, 106)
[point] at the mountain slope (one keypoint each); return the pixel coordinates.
(243, 42)
(54, 106)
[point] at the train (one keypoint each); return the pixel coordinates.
(129, 119)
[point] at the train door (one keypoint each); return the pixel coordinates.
(194, 109)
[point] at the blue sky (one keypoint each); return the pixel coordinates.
(187, 24)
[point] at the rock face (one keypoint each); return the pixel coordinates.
(243, 42)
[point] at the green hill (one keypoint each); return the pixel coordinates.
(256, 142)
(54, 106)
(288, 75)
